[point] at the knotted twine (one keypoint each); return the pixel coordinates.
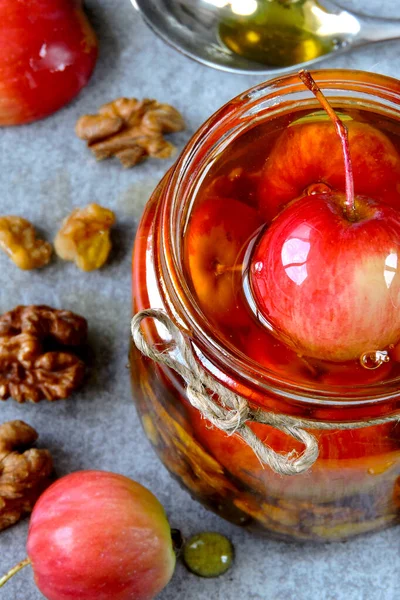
(230, 412)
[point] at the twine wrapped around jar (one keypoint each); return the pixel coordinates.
(230, 412)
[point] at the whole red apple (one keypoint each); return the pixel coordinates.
(95, 535)
(48, 50)
(329, 285)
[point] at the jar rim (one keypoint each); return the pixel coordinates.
(212, 137)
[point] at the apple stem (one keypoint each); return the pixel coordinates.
(14, 570)
(177, 540)
(343, 133)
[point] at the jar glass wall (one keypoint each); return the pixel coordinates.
(354, 486)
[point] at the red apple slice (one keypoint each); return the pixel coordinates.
(311, 153)
(48, 50)
(216, 240)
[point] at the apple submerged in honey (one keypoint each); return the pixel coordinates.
(286, 273)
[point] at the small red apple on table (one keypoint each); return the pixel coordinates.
(48, 51)
(325, 274)
(95, 535)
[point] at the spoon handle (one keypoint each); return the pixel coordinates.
(376, 29)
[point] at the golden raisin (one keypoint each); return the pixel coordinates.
(84, 237)
(18, 239)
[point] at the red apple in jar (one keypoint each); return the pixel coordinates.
(216, 242)
(330, 286)
(95, 535)
(48, 50)
(309, 154)
(325, 274)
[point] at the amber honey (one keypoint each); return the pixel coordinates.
(278, 33)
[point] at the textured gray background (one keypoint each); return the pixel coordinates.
(45, 172)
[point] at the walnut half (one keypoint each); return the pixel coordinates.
(131, 130)
(41, 321)
(37, 353)
(25, 472)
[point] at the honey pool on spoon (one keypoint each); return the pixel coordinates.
(290, 250)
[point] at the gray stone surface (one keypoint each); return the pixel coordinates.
(45, 172)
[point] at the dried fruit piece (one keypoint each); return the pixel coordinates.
(131, 130)
(208, 554)
(18, 240)
(33, 361)
(84, 237)
(23, 477)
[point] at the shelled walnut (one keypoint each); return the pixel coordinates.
(84, 237)
(38, 353)
(18, 240)
(42, 321)
(24, 475)
(131, 130)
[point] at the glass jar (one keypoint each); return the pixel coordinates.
(354, 485)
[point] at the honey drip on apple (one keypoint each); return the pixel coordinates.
(317, 188)
(373, 360)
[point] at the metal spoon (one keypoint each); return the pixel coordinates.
(262, 36)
